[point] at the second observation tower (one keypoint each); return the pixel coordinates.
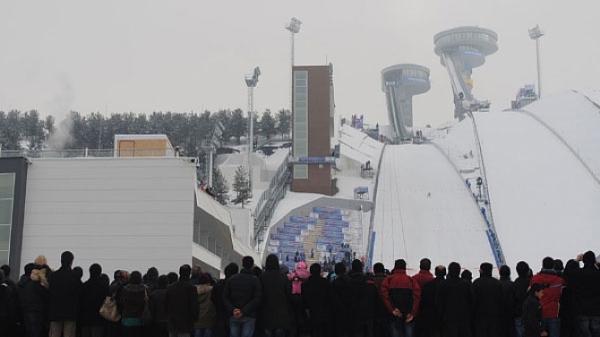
(400, 83)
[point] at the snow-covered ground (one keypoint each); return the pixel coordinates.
(544, 201)
(356, 150)
(424, 209)
(542, 165)
(574, 116)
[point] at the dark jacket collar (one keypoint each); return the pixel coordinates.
(548, 271)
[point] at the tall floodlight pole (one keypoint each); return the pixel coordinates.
(251, 82)
(535, 33)
(294, 28)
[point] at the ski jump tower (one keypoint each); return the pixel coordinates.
(400, 83)
(461, 49)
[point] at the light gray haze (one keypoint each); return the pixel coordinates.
(143, 56)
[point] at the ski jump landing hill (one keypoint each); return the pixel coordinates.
(424, 209)
(542, 168)
(544, 176)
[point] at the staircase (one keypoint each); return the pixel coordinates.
(304, 234)
(310, 243)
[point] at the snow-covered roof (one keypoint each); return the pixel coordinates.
(541, 165)
(358, 145)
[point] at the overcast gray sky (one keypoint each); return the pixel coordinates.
(143, 56)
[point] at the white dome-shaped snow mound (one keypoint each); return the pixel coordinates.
(542, 167)
(574, 117)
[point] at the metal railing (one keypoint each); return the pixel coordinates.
(371, 238)
(94, 153)
(269, 199)
(488, 215)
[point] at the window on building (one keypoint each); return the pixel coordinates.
(301, 171)
(7, 188)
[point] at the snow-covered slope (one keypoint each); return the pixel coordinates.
(424, 209)
(544, 201)
(575, 118)
(357, 148)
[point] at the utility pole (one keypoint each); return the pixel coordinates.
(294, 28)
(535, 33)
(251, 82)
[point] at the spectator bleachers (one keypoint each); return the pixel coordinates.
(327, 235)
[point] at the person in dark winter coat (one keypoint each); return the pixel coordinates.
(532, 312)
(487, 300)
(222, 319)
(16, 310)
(158, 308)
(521, 286)
(150, 279)
(65, 292)
(454, 300)
(342, 299)
(6, 269)
(204, 324)
(275, 306)
(402, 297)
(423, 276)
(121, 278)
(567, 324)
(181, 302)
(507, 323)
(33, 301)
(366, 300)
(430, 322)
(8, 307)
(467, 276)
(16, 327)
(241, 296)
(585, 285)
(381, 313)
(93, 293)
(133, 299)
(316, 294)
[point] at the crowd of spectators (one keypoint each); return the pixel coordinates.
(557, 301)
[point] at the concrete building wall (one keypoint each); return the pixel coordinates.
(124, 213)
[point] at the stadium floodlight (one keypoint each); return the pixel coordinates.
(535, 33)
(251, 82)
(294, 25)
(294, 28)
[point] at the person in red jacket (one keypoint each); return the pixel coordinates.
(553, 289)
(424, 275)
(401, 296)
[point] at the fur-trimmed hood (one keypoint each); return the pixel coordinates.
(39, 275)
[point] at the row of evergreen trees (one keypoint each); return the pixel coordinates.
(188, 131)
